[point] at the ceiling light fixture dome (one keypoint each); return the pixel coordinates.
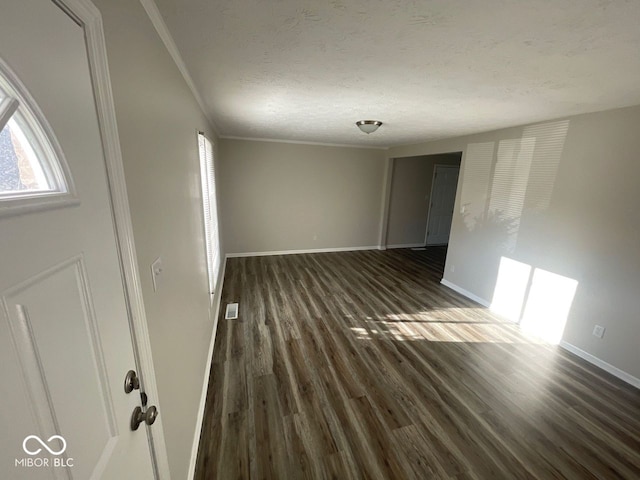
(368, 126)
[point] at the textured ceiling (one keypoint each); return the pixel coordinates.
(307, 70)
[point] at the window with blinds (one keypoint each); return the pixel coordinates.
(210, 209)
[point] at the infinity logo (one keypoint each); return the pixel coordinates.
(44, 445)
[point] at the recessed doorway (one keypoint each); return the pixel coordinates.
(417, 183)
(443, 198)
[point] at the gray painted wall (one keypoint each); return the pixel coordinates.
(410, 194)
(561, 197)
(157, 120)
(283, 196)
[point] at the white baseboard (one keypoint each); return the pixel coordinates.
(607, 367)
(296, 252)
(406, 245)
(207, 372)
(466, 293)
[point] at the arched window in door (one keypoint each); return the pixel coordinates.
(33, 173)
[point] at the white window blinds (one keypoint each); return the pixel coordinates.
(210, 209)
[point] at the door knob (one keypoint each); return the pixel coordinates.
(148, 417)
(131, 382)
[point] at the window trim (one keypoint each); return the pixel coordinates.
(8, 107)
(54, 165)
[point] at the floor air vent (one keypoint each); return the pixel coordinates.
(232, 311)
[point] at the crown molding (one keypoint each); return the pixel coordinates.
(300, 142)
(163, 31)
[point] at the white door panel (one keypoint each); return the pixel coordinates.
(65, 341)
(48, 310)
(443, 196)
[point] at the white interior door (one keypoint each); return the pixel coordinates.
(443, 197)
(65, 341)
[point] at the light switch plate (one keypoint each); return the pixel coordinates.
(156, 271)
(598, 331)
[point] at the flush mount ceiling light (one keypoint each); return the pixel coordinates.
(368, 126)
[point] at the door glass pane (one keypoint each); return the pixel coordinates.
(20, 169)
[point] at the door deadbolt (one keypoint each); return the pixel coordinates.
(131, 382)
(148, 417)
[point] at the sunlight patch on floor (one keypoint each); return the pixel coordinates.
(442, 331)
(445, 315)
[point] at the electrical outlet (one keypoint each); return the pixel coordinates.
(453, 268)
(156, 270)
(598, 331)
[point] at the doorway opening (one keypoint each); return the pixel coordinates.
(421, 201)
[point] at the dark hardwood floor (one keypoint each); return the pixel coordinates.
(361, 365)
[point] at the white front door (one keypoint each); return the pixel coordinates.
(443, 197)
(65, 340)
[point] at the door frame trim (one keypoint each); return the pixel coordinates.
(433, 180)
(90, 18)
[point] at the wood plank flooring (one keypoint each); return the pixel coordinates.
(361, 365)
